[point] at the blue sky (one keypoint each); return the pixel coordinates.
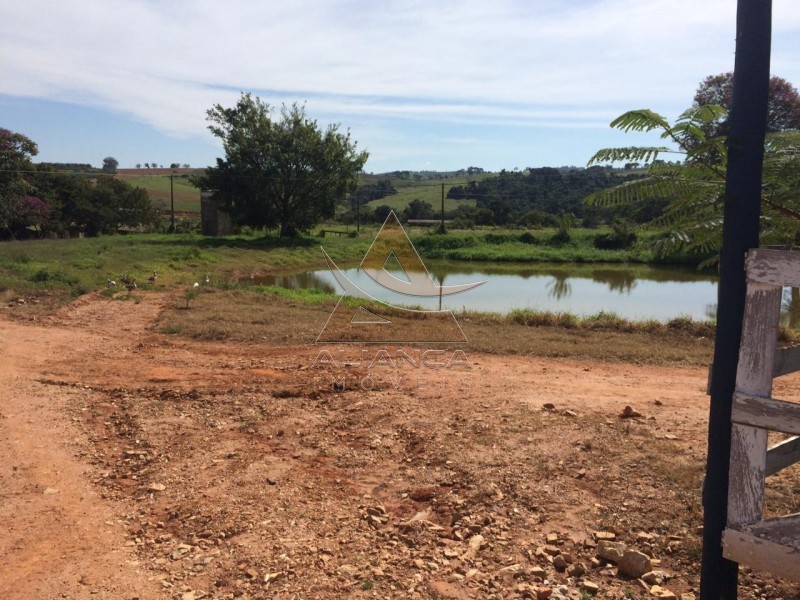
(421, 85)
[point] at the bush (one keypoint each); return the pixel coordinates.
(528, 238)
(431, 243)
(622, 236)
(497, 238)
(560, 238)
(462, 223)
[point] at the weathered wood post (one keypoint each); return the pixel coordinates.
(740, 233)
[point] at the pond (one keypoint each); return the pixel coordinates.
(635, 292)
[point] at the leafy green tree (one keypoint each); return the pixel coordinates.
(418, 209)
(381, 212)
(564, 222)
(110, 165)
(282, 171)
(695, 186)
(81, 205)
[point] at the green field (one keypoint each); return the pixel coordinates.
(187, 197)
(428, 191)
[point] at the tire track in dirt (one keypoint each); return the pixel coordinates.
(60, 539)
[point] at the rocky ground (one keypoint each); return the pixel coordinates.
(139, 465)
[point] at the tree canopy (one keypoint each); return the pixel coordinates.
(511, 197)
(18, 203)
(280, 170)
(110, 165)
(783, 108)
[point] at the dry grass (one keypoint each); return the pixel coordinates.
(250, 316)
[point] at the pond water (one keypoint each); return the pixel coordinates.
(635, 292)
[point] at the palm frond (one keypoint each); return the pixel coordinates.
(642, 119)
(630, 154)
(703, 114)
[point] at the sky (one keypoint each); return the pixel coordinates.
(422, 85)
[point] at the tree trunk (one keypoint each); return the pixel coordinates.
(287, 229)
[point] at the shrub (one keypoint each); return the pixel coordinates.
(497, 238)
(622, 236)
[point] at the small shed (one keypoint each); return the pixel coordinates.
(214, 219)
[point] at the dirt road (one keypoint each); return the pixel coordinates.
(138, 465)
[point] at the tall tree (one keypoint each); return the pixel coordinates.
(110, 165)
(17, 196)
(280, 170)
(783, 107)
(93, 206)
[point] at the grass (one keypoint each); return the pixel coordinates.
(187, 197)
(64, 269)
(279, 316)
(529, 246)
(428, 191)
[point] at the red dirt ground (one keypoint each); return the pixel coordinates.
(140, 465)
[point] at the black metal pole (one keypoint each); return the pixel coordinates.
(742, 210)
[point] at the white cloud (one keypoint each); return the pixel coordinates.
(524, 62)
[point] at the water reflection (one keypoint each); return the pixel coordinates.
(618, 281)
(790, 307)
(310, 280)
(559, 286)
(631, 291)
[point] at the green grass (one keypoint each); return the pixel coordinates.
(403, 198)
(521, 246)
(428, 191)
(75, 266)
(187, 197)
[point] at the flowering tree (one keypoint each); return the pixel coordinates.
(783, 108)
(28, 212)
(16, 151)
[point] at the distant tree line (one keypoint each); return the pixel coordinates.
(539, 197)
(371, 191)
(534, 197)
(74, 167)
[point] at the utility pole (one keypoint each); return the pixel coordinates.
(358, 214)
(172, 203)
(441, 227)
(748, 123)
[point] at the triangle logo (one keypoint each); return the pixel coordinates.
(364, 317)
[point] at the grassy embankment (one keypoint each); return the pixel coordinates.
(48, 273)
